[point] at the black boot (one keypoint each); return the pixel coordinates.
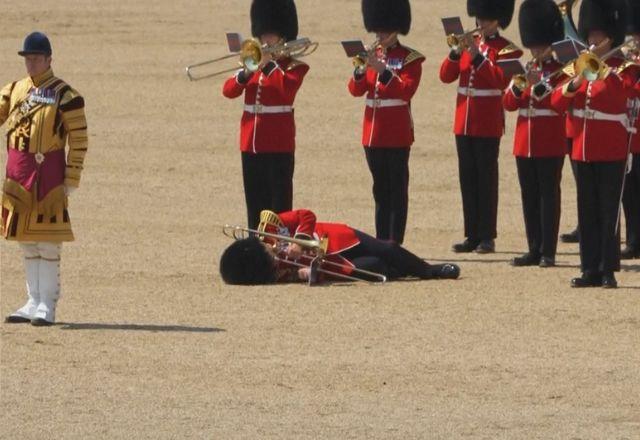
(468, 245)
(486, 247)
(587, 280)
(447, 271)
(609, 281)
(528, 259)
(571, 237)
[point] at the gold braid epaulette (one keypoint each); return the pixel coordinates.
(414, 55)
(509, 49)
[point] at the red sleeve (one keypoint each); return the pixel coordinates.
(560, 101)
(301, 222)
(404, 85)
(232, 88)
(449, 70)
(511, 102)
(358, 87)
(288, 81)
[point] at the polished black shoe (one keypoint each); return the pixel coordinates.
(609, 281)
(571, 237)
(465, 246)
(486, 247)
(15, 319)
(527, 259)
(629, 253)
(547, 262)
(39, 322)
(448, 271)
(587, 280)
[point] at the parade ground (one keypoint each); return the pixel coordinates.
(151, 344)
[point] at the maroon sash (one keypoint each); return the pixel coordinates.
(23, 168)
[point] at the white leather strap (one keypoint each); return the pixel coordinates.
(377, 103)
(259, 108)
(479, 93)
(536, 112)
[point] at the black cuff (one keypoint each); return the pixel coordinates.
(243, 76)
(358, 74)
(541, 89)
(477, 60)
(516, 91)
(268, 68)
(454, 55)
(386, 76)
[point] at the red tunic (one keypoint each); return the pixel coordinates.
(631, 77)
(599, 112)
(267, 124)
(479, 110)
(540, 130)
(387, 115)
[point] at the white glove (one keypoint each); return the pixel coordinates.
(68, 190)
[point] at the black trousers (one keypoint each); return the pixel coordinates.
(387, 258)
(631, 203)
(478, 170)
(268, 183)
(390, 171)
(599, 186)
(540, 190)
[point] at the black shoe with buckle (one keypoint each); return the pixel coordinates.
(587, 280)
(547, 262)
(609, 281)
(466, 246)
(629, 253)
(528, 259)
(486, 247)
(571, 237)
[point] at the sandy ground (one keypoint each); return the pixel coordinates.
(151, 344)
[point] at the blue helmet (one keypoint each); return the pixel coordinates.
(36, 43)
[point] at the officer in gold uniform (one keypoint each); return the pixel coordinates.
(42, 115)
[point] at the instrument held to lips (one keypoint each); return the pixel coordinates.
(359, 53)
(455, 33)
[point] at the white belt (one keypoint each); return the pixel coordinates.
(536, 112)
(377, 103)
(600, 116)
(482, 93)
(259, 108)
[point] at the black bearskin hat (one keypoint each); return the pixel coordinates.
(501, 10)
(540, 23)
(274, 16)
(633, 24)
(608, 16)
(387, 15)
(247, 262)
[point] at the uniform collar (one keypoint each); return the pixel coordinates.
(42, 78)
(492, 37)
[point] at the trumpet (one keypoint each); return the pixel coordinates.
(457, 42)
(360, 61)
(315, 259)
(251, 54)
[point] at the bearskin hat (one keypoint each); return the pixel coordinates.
(274, 16)
(501, 10)
(633, 24)
(540, 23)
(247, 262)
(608, 16)
(387, 15)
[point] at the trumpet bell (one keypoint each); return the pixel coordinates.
(251, 55)
(590, 67)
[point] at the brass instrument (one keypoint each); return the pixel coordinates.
(360, 61)
(456, 42)
(593, 67)
(521, 81)
(314, 259)
(251, 54)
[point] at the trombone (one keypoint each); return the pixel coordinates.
(593, 67)
(251, 54)
(317, 257)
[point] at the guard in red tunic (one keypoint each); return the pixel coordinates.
(540, 141)
(389, 79)
(479, 120)
(267, 128)
(251, 261)
(600, 143)
(631, 199)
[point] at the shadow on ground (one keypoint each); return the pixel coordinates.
(138, 327)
